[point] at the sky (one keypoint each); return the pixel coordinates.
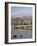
(20, 11)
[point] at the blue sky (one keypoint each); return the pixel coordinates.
(15, 11)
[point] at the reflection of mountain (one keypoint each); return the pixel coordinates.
(25, 19)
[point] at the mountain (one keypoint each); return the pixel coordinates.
(23, 19)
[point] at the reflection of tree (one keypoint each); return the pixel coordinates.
(22, 27)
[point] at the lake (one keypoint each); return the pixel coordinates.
(20, 34)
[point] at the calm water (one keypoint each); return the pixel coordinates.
(23, 34)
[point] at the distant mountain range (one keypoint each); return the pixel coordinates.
(19, 16)
(24, 18)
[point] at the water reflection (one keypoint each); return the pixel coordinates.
(23, 34)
